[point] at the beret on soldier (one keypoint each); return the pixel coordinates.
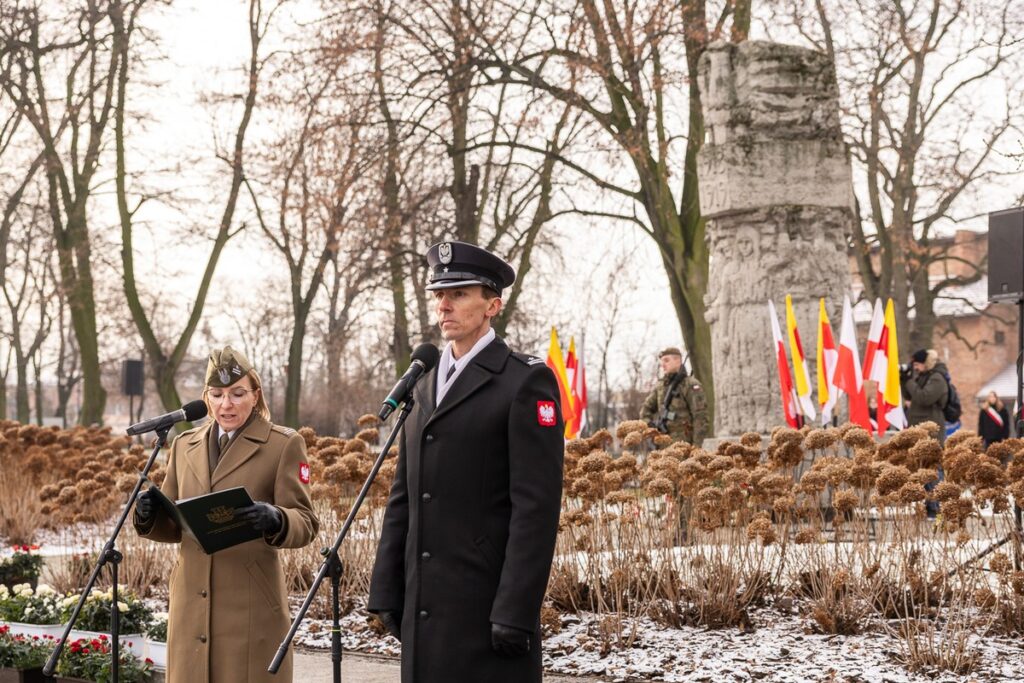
(459, 264)
(225, 367)
(670, 351)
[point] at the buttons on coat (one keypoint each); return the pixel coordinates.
(202, 639)
(426, 497)
(429, 438)
(425, 556)
(424, 614)
(202, 593)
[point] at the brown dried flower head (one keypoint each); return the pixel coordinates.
(845, 501)
(858, 437)
(629, 427)
(367, 420)
(632, 440)
(891, 479)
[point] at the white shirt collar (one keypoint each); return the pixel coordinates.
(230, 434)
(448, 360)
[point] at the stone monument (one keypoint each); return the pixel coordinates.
(777, 193)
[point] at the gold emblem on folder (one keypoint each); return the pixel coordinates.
(221, 514)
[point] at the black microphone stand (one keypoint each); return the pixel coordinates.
(113, 557)
(1018, 527)
(332, 564)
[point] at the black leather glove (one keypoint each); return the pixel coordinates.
(392, 622)
(145, 508)
(509, 641)
(263, 516)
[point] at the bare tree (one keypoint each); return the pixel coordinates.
(615, 64)
(27, 290)
(319, 171)
(914, 77)
(71, 115)
(164, 363)
(430, 96)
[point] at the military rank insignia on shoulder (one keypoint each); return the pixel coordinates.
(528, 359)
(287, 431)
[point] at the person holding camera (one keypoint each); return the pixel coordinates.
(925, 387)
(677, 406)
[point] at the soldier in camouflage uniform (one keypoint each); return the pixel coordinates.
(685, 417)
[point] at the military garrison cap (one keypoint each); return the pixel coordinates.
(225, 367)
(670, 351)
(458, 264)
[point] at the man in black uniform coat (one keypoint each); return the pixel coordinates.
(469, 531)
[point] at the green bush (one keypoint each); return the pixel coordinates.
(23, 566)
(28, 606)
(23, 652)
(90, 660)
(158, 628)
(95, 614)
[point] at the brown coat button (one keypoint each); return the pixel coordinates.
(202, 639)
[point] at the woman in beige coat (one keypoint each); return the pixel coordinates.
(229, 611)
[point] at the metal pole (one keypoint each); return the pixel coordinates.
(1020, 424)
(336, 570)
(326, 565)
(110, 555)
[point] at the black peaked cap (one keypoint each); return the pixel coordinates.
(459, 264)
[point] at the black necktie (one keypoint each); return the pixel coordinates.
(451, 371)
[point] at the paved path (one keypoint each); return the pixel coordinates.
(314, 666)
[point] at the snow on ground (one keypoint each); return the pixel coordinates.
(780, 649)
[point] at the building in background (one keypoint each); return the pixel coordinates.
(976, 340)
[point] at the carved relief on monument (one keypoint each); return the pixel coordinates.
(776, 190)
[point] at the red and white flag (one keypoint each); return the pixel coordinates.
(790, 405)
(872, 352)
(577, 381)
(849, 376)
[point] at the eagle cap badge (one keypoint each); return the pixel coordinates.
(444, 253)
(222, 374)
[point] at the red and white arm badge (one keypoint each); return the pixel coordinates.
(546, 415)
(304, 472)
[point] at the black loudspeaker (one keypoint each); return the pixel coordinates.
(1006, 255)
(131, 377)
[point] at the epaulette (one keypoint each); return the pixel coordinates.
(287, 431)
(527, 358)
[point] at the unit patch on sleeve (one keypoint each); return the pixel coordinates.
(304, 472)
(546, 414)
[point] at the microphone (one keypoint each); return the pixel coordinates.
(424, 358)
(187, 413)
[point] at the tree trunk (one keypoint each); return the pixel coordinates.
(76, 272)
(333, 352)
(293, 384)
(38, 390)
(24, 415)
